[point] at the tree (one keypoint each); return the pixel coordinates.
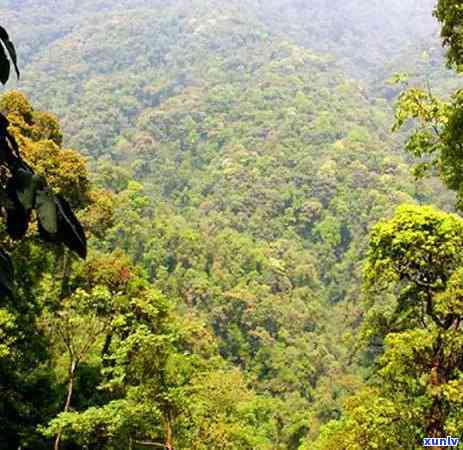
(164, 385)
(418, 252)
(413, 277)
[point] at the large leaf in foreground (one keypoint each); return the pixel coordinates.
(17, 217)
(58, 223)
(9, 149)
(47, 212)
(11, 51)
(26, 184)
(4, 66)
(70, 230)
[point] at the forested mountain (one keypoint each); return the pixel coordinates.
(151, 51)
(239, 155)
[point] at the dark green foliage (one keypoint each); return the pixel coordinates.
(450, 14)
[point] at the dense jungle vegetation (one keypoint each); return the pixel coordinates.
(270, 266)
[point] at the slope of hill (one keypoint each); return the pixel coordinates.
(104, 56)
(250, 155)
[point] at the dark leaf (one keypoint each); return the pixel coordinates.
(4, 66)
(26, 184)
(6, 273)
(17, 218)
(46, 236)
(70, 232)
(3, 34)
(17, 221)
(45, 204)
(5, 200)
(10, 47)
(13, 144)
(12, 52)
(4, 124)
(5, 151)
(7, 140)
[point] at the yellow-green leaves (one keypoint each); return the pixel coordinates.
(431, 118)
(419, 245)
(415, 386)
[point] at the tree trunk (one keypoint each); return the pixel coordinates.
(169, 433)
(66, 273)
(67, 404)
(435, 427)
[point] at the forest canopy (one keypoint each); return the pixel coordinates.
(267, 266)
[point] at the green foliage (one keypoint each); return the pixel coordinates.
(419, 245)
(113, 351)
(437, 137)
(450, 14)
(414, 260)
(371, 422)
(238, 161)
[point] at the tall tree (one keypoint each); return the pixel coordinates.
(413, 278)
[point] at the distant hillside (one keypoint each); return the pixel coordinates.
(107, 56)
(250, 144)
(242, 114)
(363, 35)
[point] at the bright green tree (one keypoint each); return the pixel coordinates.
(413, 279)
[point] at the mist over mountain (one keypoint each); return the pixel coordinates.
(137, 42)
(358, 32)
